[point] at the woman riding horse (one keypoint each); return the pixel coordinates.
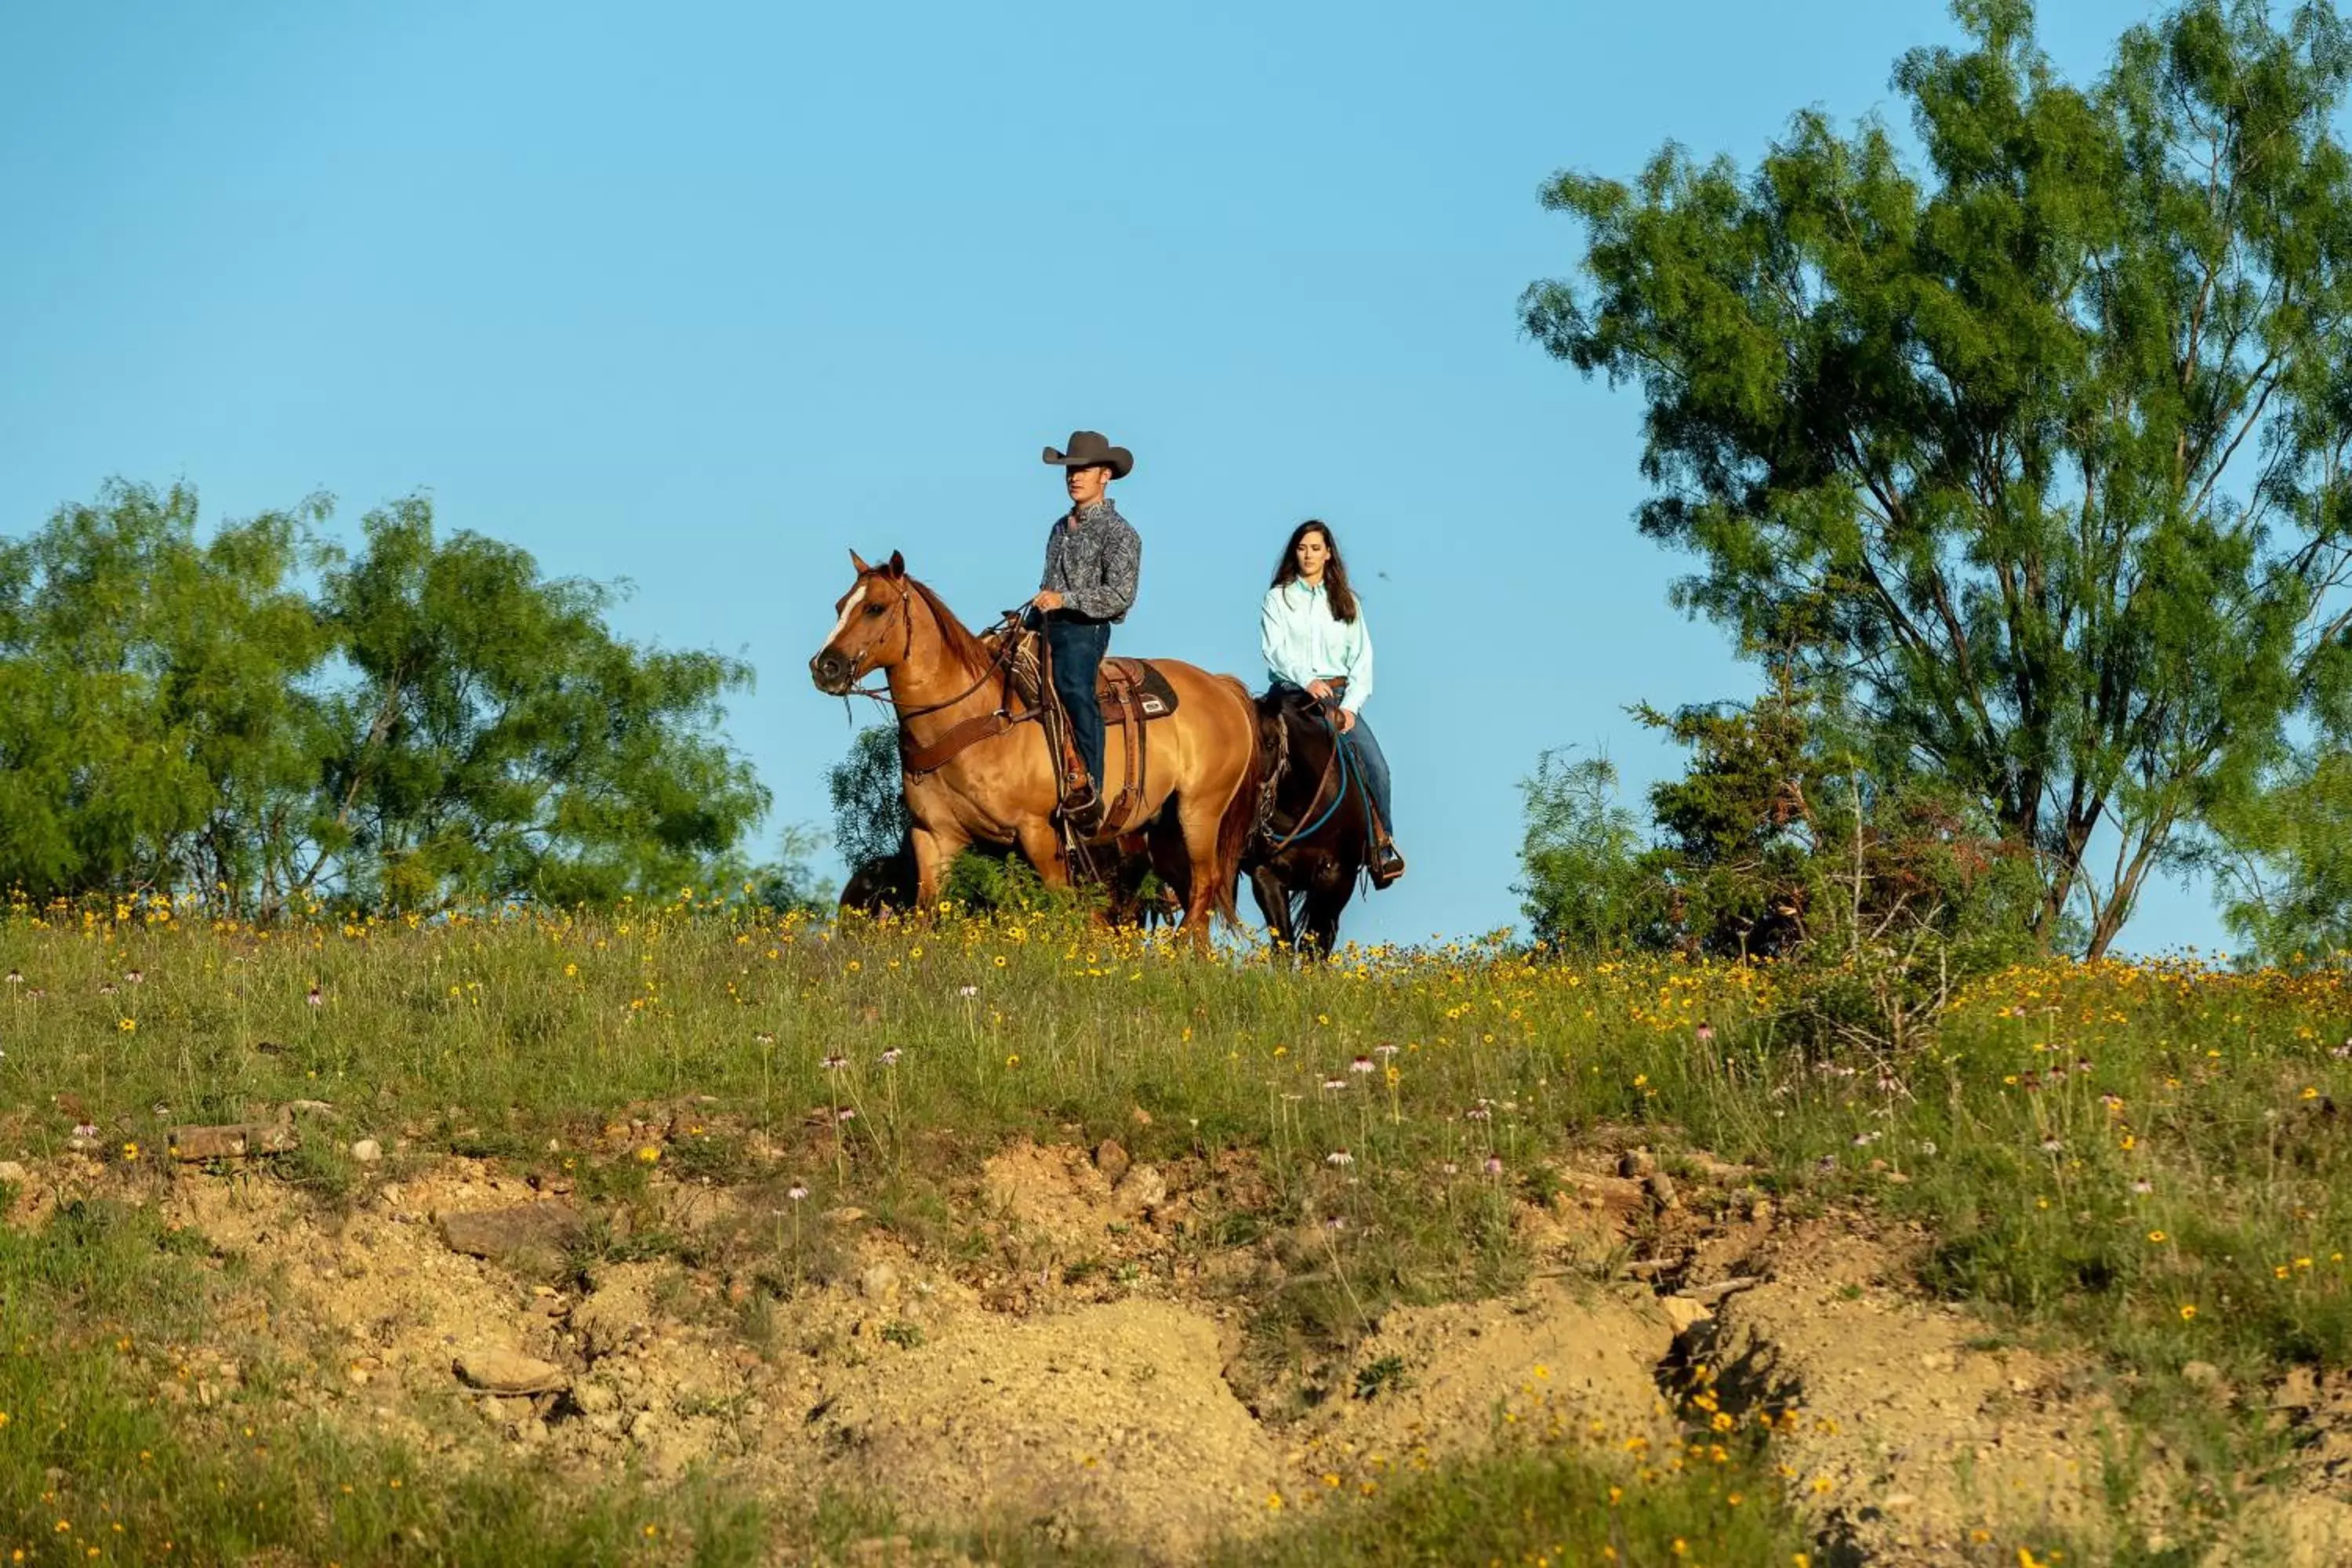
(1311, 629)
(1324, 814)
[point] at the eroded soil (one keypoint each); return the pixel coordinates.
(1084, 1369)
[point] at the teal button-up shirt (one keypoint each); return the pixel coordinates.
(1304, 642)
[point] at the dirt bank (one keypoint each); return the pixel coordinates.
(1080, 1374)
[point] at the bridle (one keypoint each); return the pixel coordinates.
(971, 730)
(907, 623)
(996, 662)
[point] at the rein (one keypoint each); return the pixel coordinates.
(1005, 652)
(1339, 761)
(929, 759)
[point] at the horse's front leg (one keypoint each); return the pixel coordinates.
(1041, 845)
(1325, 902)
(1274, 903)
(935, 851)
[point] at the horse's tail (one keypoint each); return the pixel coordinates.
(1240, 818)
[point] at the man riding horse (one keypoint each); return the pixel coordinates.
(979, 767)
(1093, 559)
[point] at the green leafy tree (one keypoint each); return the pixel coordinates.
(496, 738)
(2284, 865)
(2042, 441)
(258, 719)
(1583, 885)
(1879, 896)
(869, 798)
(158, 723)
(1735, 842)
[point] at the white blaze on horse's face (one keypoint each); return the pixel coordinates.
(848, 608)
(850, 652)
(853, 650)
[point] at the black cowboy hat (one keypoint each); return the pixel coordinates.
(1092, 448)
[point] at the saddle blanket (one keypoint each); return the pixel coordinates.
(1154, 698)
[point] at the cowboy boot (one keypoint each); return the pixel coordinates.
(1388, 861)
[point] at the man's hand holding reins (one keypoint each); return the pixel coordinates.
(1046, 600)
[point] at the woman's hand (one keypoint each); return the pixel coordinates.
(1319, 690)
(1346, 720)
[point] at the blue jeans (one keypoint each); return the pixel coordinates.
(1374, 766)
(1077, 648)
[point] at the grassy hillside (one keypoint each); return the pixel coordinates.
(2143, 1165)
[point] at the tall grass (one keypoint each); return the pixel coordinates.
(2103, 1146)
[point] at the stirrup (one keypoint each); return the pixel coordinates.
(1388, 865)
(1082, 804)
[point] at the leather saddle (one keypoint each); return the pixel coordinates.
(1131, 692)
(1138, 680)
(1119, 682)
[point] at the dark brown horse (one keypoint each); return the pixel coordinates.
(1307, 854)
(990, 776)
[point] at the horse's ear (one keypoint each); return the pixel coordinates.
(897, 565)
(859, 561)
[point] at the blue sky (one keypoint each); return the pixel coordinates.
(703, 295)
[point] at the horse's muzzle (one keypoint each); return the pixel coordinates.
(830, 671)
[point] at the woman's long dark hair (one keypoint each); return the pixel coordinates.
(1336, 592)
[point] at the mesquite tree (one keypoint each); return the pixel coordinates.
(264, 721)
(2033, 441)
(158, 724)
(496, 736)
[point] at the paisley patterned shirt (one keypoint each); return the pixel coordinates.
(1093, 565)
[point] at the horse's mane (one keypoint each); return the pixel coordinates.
(961, 645)
(1307, 752)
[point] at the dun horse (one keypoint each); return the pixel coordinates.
(980, 770)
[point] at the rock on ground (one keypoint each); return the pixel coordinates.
(498, 1370)
(527, 1237)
